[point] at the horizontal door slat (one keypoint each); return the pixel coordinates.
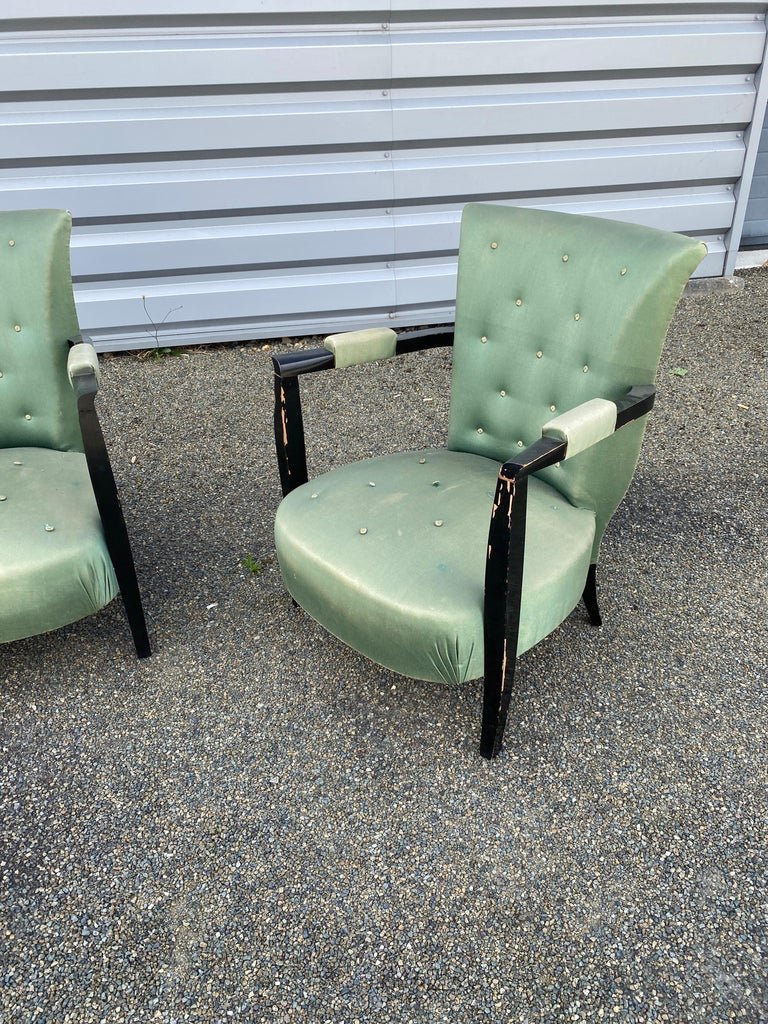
(577, 49)
(184, 189)
(232, 297)
(267, 242)
(173, 62)
(142, 250)
(607, 167)
(62, 133)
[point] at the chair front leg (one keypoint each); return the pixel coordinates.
(289, 434)
(113, 523)
(503, 593)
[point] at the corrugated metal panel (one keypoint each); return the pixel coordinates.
(297, 166)
(756, 222)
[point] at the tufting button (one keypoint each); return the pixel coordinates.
(518, 302)
(49, 528)
(1, 373)
(503, 393)
(520, 444)
(422, 461)
(479, 430)
(483, 339)
(371, 483)
(27, 416)
(3, 497)
(553, 408)
(577, 316)
(435, 483)
(494, 245)
(17, 327)
(539, 355)
(363, 530)
(313, 495)
(585, 369)
(11, 242)
(438, 522)
(623, 271)
(565, 257)
(18, 462)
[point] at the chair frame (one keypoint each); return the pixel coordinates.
(116, 537)
(506, 535)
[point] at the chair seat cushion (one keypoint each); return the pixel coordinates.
(389, 555)
(54, 564)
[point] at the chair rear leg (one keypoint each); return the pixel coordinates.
(590, 597)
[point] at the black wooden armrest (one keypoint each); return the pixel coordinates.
(293, 364)
(289, 425)
(417, 341)
(636, 403)
(547, 451)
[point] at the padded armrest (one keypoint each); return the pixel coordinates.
(354, 347)
(345, 349)
(581, 429)
(83, 369)
(583, 426)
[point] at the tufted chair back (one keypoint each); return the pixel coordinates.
(37, 317)
(553, 309)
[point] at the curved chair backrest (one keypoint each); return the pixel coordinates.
(553, 309)
(37, 317)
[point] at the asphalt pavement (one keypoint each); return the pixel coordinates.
(258, 825)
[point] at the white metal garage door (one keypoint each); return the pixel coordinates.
(289, 167)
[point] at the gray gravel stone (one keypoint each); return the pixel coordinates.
(258, 825)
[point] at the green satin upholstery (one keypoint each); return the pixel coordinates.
(37, 318)
(354, 347)
(408, 591)
(583, 426)
(552, 310)
(54, 565)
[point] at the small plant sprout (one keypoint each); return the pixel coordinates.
(252, 565)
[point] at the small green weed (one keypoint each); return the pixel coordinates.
(252, 565)
(157, 353)
(679, 371)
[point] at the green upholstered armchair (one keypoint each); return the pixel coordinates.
(447, 564)
(64, 548)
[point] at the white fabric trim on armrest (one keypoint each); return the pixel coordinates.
(354, 347)
(583, 426)
(82, 361)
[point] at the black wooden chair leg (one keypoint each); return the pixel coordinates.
(138, 625)
(129, 588)
(108, 504)
(590, 597)
(496, 696)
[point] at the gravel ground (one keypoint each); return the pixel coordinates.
(256, 824)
